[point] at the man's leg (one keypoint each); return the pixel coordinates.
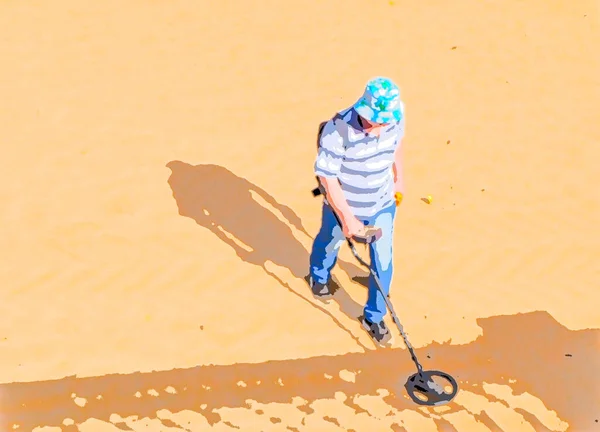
(381, 253)
(325, 252)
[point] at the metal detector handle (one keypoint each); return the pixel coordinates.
(372, 234)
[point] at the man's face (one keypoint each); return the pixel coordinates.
(370, 124)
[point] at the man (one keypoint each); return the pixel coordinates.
(359, 164)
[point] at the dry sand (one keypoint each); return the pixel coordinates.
(156, 220)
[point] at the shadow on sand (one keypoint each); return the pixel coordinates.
(527, 352)
(230, 207)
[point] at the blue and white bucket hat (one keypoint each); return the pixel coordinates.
(380, 102)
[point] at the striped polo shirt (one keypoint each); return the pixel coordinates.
(361, 162)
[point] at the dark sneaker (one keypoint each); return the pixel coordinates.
(378, 331)
(319, 289)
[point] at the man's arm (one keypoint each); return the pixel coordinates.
(398, 168)
(335, 197)
(327, 167)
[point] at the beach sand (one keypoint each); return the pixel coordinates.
(157, 217)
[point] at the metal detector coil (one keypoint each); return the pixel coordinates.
(425, 388)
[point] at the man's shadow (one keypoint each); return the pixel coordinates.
(229, 206)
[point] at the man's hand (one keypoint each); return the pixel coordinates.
(351, 227)
(398, 196)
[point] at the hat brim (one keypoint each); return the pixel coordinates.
(380, 117)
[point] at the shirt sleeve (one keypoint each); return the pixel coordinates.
(331, 151)
(401, 130)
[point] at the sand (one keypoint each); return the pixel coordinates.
(157, 218)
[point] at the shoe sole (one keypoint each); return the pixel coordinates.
(322, 296)
(385, 342)
(317, 296)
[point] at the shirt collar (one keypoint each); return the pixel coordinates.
(351, 119)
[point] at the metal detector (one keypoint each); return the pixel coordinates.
(423, 387)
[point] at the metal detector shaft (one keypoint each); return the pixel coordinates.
(386, 299)
(389, 306)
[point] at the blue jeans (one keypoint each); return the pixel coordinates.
(327, 245)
